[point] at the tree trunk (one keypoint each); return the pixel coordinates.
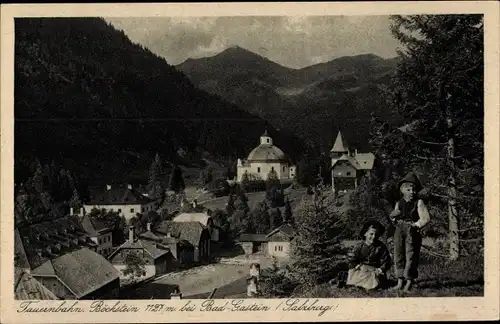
(452, 196)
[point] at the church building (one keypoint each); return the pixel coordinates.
(348, 166)
(263, 159)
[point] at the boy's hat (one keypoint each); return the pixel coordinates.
(379, 228)
(411, 177)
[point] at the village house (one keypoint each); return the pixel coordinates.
(276, 243)
(99, 232)
(26, 287)
(156, 256)
(198, 214)
(253, 243)
(63, 258)
(189, 241)
(263, 159)
(124, 200)
(279, 241)
(348, 166)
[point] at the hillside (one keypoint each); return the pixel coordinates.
(313, 102)
(87, 96)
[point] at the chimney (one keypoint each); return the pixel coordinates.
(252, 287)
(82, 211)
(71, 211)
(148, 226)
(129, 186)
(176, 294)
(131, 234)
(108, 187)
(356, 152)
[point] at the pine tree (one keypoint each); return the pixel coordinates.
(230, 204)
(275, 218)
(438, 89)
(245, 182)
(276, 282)
(155, 182)
(75, 201)
(316, 247)
(287, 216)
(272, 184)
(176, 183)
(260, 218)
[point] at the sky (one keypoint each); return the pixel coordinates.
(292, 41)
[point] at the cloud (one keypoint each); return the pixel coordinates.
(294, 41)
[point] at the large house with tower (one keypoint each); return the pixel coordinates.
(348, 166)
(263, 159)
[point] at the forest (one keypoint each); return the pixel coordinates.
(110, 104)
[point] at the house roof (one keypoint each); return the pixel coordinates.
(360, 161)
(286, 229)
(120, 196)
(152, 248)
(93, 226)
(250, 237)
(340, 145)
(21, 260)
(26, 287)
(202, 218)
(82, 271)
(183, 231)
(41, 242)
(365, 160)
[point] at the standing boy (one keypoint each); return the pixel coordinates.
(409, 215)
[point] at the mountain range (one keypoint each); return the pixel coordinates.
(314, 102)
(89, 98)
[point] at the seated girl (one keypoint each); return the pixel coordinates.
(370, 259)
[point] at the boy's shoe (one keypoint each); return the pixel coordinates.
(342, 279)
(409, 286)
(399, 286)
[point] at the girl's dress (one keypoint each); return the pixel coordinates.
(370, 257)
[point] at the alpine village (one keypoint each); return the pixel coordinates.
(232, 176)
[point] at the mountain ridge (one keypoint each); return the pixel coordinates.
(110, 104)
(343, 93)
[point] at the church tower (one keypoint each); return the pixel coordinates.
(266, 139)
(339, 148)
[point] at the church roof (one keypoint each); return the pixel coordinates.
(266, 152)
(340, 145)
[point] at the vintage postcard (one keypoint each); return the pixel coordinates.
(218, 162)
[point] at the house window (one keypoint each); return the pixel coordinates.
(142, 209)
(280, 248)
(258, 169)
(119, 210)
(268, 140)
(132, 210)
(100, 241)
(348, 173)
(272, 168)
(283, 169)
